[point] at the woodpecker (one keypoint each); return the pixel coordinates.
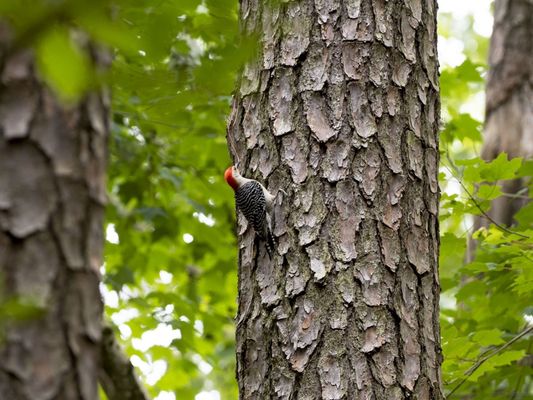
(255, 202)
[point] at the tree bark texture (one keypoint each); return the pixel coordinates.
(340, 109)
(509, 98)
(52, 195)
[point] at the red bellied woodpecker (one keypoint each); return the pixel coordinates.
(255, 202)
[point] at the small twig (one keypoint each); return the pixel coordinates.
(480, 362)
(517, 195)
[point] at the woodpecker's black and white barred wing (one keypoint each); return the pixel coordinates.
(250, 200)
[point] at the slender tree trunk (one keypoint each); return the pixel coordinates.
(341, 111)
(509, 98)
(52, 192)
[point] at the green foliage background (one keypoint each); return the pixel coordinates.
(485, 304)
(170, 260)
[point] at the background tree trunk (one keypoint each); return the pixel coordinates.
(341, 110)
(52, 192)
(509, 99)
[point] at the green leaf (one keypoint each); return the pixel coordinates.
(478, 171)
(500, 168)
(526, 170)
(488, 337)
(462, 127)
(452, 251)
(469, 72)
(64, 66)
(497, 361)
(488, 192)
(524, 216)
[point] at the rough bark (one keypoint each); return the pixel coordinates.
(340, 110)
(509, 99)
(52, 195)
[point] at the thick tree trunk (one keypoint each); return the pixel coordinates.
(509, 98)
(52, 192)
(341, 111)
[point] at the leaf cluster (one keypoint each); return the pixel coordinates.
(486, 303)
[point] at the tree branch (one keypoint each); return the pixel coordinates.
(117, 375)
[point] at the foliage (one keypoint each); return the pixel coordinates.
(485, 302)
(169, 209)
(170, 278)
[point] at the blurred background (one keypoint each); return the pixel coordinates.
(170, 272)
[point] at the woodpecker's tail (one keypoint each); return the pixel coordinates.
(268, 239)
(270, 244)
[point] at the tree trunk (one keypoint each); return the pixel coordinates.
(52, 193)
(509, 99)
(341, 111)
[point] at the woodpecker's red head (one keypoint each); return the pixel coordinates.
(230, 176)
